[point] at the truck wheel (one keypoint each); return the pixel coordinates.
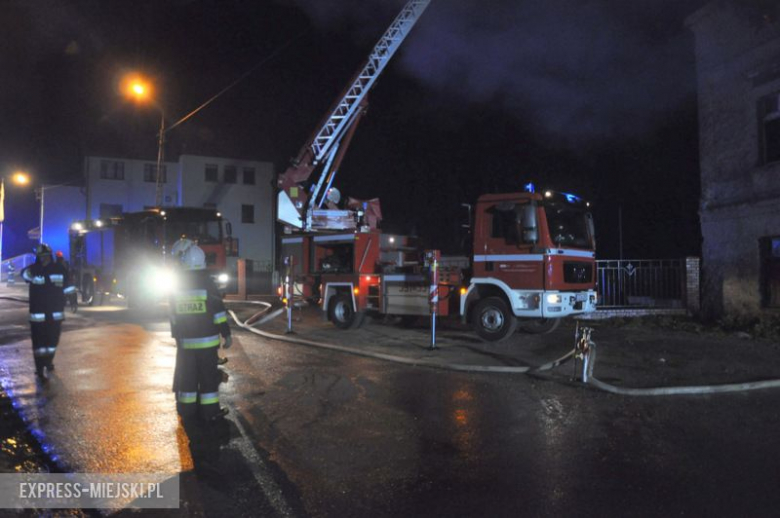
(342, 314)
(88, 292)
(540, 326)
(493, 321)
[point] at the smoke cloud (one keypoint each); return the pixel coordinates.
(577, 69)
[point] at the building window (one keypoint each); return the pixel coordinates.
(770, 271)
(150, 173)
(249, 175)
(231, 176)
(110, 210)
(247, 213)
(769, 112)
(112, 170)
(211, 173)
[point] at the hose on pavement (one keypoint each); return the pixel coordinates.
(668, 391)
(254, 320)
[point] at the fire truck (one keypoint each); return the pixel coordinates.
(532, 259)
(532, 263)
(127, 256)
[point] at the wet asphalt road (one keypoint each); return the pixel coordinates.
(362, 438)
(320, 433)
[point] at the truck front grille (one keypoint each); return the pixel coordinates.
(577, 272)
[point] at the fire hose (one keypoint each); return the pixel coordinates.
(261, 317)
(585, 351)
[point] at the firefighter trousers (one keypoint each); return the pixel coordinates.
(197, 382)
(45, 338)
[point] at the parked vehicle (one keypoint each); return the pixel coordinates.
(128, 256)
(532, 259)
(532, 263)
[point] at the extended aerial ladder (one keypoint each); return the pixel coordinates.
(303, 210)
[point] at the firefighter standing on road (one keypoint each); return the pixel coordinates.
(70, 297)
(49, 285)
(198, 319)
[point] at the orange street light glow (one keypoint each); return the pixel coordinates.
(136, 87)
(20, 178)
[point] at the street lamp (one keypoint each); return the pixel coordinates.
(140, 89)
(40, 194)
(18, 178)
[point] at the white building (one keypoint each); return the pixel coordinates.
(242, 190)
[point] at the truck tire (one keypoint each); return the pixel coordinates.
(493, 320)
(540, 326)
(88, 291)
(342, 314)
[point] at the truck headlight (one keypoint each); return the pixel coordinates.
(162, 281)
(223, 278)
(554, 298)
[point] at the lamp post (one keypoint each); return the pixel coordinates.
(140, 90)
(160, 158)
(19, 178)
(40, 191)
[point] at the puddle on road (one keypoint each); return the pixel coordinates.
(19, 453)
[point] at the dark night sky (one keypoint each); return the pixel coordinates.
(595, 97)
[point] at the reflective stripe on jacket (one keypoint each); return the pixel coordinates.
(47, 288)
(200, 343)
(198, 314)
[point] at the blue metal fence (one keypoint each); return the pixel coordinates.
(19, 262)
(641, 283)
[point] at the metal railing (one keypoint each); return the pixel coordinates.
(641, 283)
(19, 262)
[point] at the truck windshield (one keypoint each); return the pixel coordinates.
(569, 226)
(204, 232)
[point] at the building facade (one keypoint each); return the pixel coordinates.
(241, 190)
(738, 67)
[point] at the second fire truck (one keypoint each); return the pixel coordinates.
(126, 256)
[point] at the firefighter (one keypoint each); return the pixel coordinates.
(49, 285)
(177, 251)
(198, 319)
(71, 298)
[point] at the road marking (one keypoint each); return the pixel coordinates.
(11, 326)
(259, 469)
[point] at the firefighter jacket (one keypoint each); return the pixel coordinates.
(198, 315)
(48, 287)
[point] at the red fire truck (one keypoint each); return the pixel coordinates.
(532, 259)
(126, 256)
(532, 263)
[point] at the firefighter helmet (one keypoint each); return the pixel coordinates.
(43, 249)
(194, 258)
(180, 247)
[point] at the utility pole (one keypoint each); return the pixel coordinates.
(158, 192)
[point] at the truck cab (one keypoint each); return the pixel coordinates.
(126, 256)
(533, 263)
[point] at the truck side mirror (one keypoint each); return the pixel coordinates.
(229, 229)
(530, 230)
